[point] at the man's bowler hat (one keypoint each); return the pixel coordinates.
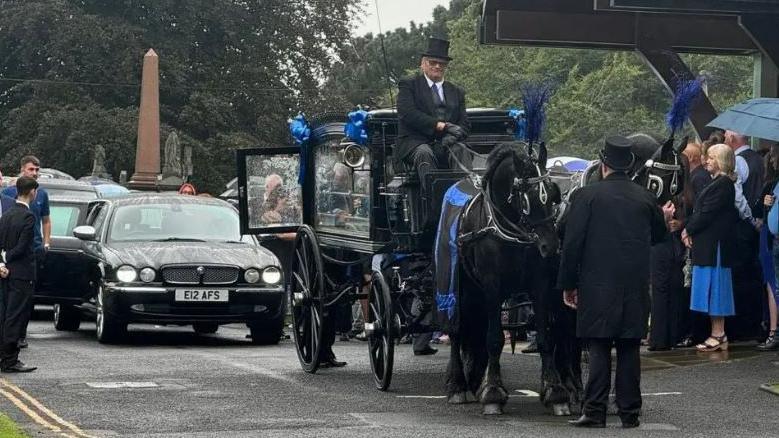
(437, 48)
(617, 154)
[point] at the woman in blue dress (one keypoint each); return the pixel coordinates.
(709, 234)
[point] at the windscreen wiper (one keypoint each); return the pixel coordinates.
(178, 239)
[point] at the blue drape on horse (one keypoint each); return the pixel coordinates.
(446, 254)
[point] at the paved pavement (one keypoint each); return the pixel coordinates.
(169, 382)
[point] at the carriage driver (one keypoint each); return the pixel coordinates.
(431, 118)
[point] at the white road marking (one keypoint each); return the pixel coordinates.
(121, 385)
(651, 394)
(527, 393)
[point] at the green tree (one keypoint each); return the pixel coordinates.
(231, 71)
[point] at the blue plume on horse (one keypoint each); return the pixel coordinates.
(520, 123)
(299, 129)
(355, 127)
(684, 98)
(534, 97)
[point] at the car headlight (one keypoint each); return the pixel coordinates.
(271, 275)
(147, 275)
(251, 275)
(126, 274)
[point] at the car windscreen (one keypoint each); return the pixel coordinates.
(174, 222)
(63, 219)
(73, 194)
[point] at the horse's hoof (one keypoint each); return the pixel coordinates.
(561, 410)
(493, 409)
(458, 398)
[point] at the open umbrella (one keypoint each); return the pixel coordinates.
(755, 118)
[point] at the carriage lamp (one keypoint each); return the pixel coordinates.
(126, 274)
(353, 156)
(271, 275)
(147, 275)
(251, 275)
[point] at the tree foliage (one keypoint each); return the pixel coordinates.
(231, 72)
(596, 93)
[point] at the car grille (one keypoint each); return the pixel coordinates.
(189, 275)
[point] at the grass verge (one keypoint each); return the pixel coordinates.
(9, 429)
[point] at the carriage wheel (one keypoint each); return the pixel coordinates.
(306, 297)
(381, 329)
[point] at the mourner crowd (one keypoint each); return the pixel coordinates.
(708, 256)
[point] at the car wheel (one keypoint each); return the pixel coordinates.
(266, 334)
(66, 318)
(109, 329)
(205, 328)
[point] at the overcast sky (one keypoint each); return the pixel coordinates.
(396, 13)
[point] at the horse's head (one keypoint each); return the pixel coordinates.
(519, 189)
(661, 169)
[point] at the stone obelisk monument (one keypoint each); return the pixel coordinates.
(147, 154)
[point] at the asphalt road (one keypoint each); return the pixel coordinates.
(169, 382)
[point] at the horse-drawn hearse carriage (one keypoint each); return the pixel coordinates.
(354, 210)
(360, 235)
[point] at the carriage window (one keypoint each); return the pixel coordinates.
(274, 196)
(343, 191)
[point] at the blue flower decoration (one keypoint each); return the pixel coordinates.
(355, 127)
(299, 129)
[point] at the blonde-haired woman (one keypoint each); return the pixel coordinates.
(709, 232)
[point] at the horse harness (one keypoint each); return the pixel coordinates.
(498, 224)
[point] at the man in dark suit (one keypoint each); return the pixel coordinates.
(431, 116)
(432, 123)
(604, 273)
(18, 272)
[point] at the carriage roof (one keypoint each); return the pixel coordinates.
(489, 126)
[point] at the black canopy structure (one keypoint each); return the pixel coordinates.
(657, 29)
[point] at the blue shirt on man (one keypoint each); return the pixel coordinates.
(39, 208)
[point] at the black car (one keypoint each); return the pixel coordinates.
(174, 259)
(62, 271)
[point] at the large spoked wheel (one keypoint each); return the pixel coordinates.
(306, 290)
(380, 328)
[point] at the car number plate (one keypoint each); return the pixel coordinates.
(220, 295)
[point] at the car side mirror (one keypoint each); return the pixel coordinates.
(85, 232)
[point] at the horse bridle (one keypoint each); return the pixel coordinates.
(501, 226)
(655, 183)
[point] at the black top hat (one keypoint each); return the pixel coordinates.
(616, 154)
(437, 48)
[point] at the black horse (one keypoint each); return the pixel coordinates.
(506, 234)
(662, 169)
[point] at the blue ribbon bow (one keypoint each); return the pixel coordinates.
(300, 131)
(355, 127)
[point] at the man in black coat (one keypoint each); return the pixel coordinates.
(432, 123)
(18, 272)
(431, 117)
(604, 273)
